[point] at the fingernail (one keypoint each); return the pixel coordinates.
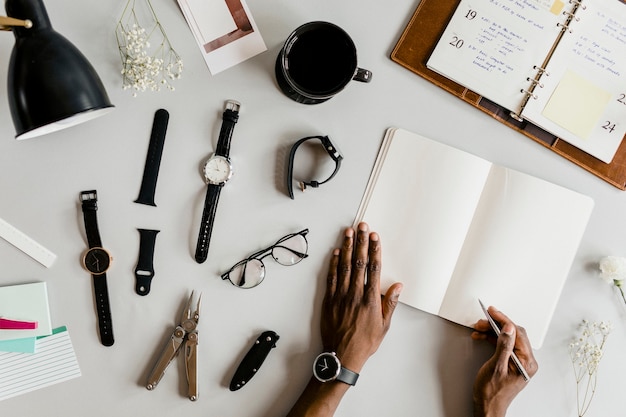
(374, 237)
(398, 290)
(349, 232)
(363, 227)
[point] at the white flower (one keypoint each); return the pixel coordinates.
(586, 351)
(613, 269)
(144, 69)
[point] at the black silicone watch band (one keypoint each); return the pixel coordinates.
(144, 271)
(89, 202)
(105, 324)
(229, 119)
(206, 224)
(153, 158)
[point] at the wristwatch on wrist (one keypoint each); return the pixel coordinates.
(97, 261)
(217, 171)
(327, 367)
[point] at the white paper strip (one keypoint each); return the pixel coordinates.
(26, 244)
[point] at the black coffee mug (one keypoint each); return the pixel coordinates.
(316, 62)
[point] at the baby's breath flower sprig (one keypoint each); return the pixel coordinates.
(586, 351)
(613, 271)
(145, 68)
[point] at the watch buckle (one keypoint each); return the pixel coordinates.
(88, 196)
(232, 105)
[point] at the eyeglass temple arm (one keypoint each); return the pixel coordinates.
(6, 23)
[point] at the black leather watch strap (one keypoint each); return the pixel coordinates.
(89, 203)
(144, 271)
(153, 158)
(229, 120)
(206, 224)
(105, 324)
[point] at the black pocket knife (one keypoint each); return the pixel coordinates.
(253, 360)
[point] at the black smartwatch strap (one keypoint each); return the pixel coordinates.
(206, 224)
(347, 376)
(144, 271)
(332, 151)
(89, 202)
(153, 158)
(229, 119)
(101, 294)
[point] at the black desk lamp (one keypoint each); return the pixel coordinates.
(51, 85)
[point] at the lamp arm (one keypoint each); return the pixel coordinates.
(6, 23)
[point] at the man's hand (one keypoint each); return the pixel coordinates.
(498, 381)
(355, 318)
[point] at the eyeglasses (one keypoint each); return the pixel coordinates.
(288, 250)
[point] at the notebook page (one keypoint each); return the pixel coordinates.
(518, 251)
(583, 100)
(422, 205)
(491, 46)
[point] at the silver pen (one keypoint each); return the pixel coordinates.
(496, 329)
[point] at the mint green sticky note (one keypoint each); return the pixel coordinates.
(24, 345)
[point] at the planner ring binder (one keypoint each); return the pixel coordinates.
(565, 26)
(530, 91)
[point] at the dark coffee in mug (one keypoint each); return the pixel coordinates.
(317, 61)
(322, 60)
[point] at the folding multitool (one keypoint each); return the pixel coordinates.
(185, 339)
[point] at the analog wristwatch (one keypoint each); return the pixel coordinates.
(217, 171)
(327, 368)
(97, 261)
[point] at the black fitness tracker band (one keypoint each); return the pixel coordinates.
(97, 261)
(332, 151)
(144, 271)
(153, 158)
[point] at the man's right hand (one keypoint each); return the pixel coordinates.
(498, 381)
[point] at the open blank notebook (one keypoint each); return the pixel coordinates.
(456, 228)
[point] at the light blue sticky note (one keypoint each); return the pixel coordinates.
(24, 345)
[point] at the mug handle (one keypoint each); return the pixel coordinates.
(362, 75)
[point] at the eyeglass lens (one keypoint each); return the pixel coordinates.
(250, 272)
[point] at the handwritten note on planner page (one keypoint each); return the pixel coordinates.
(491, 46)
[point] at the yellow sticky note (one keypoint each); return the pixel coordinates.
(557, 6)
(576, 104)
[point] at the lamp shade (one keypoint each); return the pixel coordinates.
(51, 85)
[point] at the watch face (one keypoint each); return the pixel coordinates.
(326, 367)
(97, 260)
(217, 170)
